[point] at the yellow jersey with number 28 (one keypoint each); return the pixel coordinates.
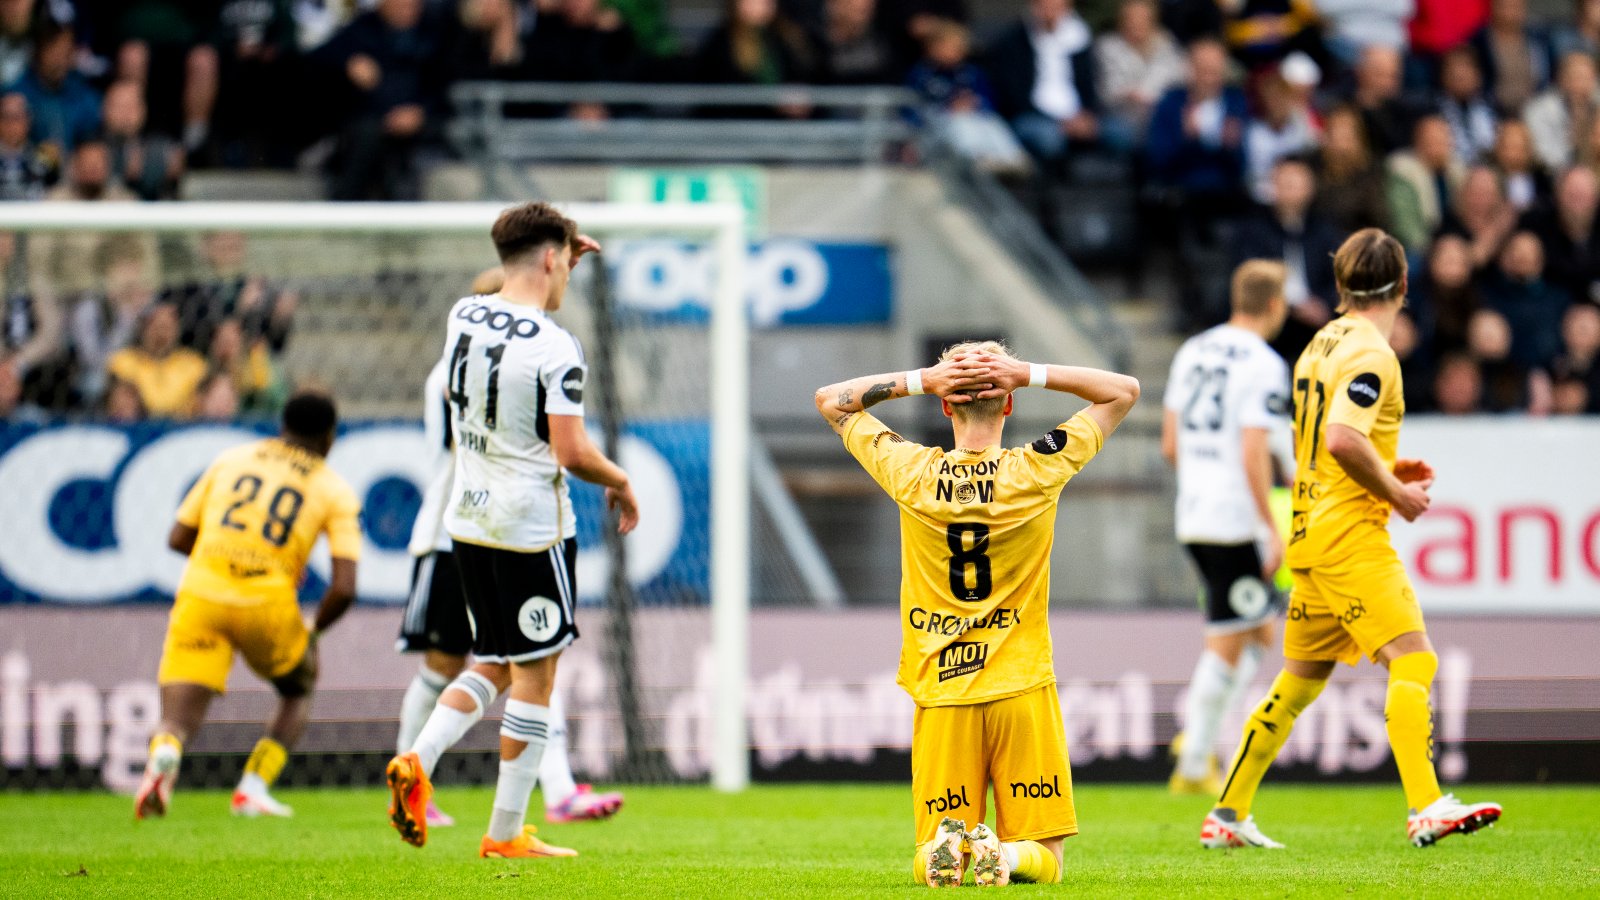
(1348, 375)
(259, 509)
(976, 528)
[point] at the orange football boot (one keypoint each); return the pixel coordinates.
(409, 793)
(523, 846)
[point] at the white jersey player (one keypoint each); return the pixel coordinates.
(1226, 417)
(513, 383)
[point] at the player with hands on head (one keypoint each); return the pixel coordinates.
(976, 528)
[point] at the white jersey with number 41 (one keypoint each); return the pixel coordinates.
(509, 368)
(1222, 381)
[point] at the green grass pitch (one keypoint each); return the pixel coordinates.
(794, 841)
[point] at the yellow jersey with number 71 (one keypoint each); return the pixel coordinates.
(976, 528)
(1348, 375)
(259, 509)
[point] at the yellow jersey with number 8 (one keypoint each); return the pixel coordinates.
(259, 509)
(1348, 375)
(976, 528)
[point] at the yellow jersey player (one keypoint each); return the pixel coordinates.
(248, 526)
(976, 527)
(1351, 597)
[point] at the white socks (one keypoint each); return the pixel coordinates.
(421, 695)
(1209, 691)
(1244, 672)
(445, 726)
(529, 723)
(555, 772)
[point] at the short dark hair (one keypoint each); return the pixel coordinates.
(309, 415)
(1370, 269)
(530, 226)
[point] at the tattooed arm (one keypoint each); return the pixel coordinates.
(839, 403)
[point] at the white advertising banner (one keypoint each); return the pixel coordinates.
(1515, 521)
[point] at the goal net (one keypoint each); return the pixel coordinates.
(139, 340)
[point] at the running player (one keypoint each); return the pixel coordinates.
(1351, 597)
(1227, 410)
(514, 382)
(247, 527)
(976, 527)
(437, 626)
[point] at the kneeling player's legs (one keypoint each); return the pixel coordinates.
(949, 773)
(1032, 781)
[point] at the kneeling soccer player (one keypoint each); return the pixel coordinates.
(976, 527)
(247, 527)
(1351, 597)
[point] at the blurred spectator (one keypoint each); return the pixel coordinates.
(65, 108)
(317, 21)
(89, 175)
(163, 45)
(149, 165)
(1421, 183)
(1464, 106)
(1289, 230)
(217, 400)
(1045, 81)
(392, 59)
(1563, 117)
(1351, 26)
(1352, 194)
(227, 292)
(1577, 369)
(491, 41)
(580, 40)
(754, 45)
(1416, 369)
(1482, 216)
(1507, 386)
(1581, 35)
(1515, 56)
(25, 170)
(1531, 306)
(31, 336)
(1458, 386)
(256, 385)
(1522, 176)
(1196, 140)
(1139, 62)
(1567, 231)
(123, 405)
(960, 101)
(107, 320)
(1282, 129)
(855, 49)
(1440, 25)
(254, 42)
(1446, 297)
(1260, 33)
(71, 261)
(19, 22)
(1378, 76)
(166, 374)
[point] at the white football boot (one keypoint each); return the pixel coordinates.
(1217, 834)
(1446, 816)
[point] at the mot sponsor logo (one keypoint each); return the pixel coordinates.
(962, 658)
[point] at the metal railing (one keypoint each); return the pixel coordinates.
(680, 123)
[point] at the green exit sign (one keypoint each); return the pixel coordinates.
(744, 185)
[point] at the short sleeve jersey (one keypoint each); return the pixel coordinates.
(259, 510)
(1223, 380)
(1348, 375)
(427, 530)
(976, 530)
(509, 367)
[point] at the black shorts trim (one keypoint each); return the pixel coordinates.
(523, 605)
(1233, 596)
(436, 610)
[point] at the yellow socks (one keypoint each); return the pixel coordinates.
(919, 866)
(1264, 736)
(1410, 725)
(266, 760)
(1034, 862)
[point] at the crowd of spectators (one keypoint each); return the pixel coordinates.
(1253, 127)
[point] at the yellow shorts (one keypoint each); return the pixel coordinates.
(1351, 607)
(1019, 743)
(201, 638)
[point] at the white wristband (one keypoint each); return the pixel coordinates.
(1038, 374)
(913, 382)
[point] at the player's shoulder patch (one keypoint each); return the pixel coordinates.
(572, 383)
(1365, 389)
(1054, 441)
(1278, 404)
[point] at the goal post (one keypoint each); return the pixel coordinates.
(720, 226)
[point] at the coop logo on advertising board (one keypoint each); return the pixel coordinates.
(94, 502)
(785, 280)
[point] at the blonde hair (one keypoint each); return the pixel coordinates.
(978, 409)
(1256, 283)
(1370, 269)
